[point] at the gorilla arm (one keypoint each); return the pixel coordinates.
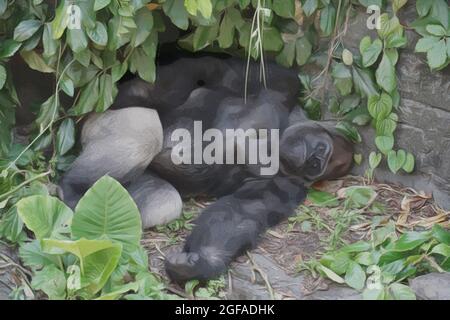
(232, 225)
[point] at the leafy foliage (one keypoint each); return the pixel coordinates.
(66, 264)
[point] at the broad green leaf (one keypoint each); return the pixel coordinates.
(401, 292)
(437, 55)
(47, 217)
(385, 74)
(380, 106)
(100, 4)
(272, 40)
(331, 274)
(327, 19)
(349, 131)
(48, 112)
(284, 8)
(423, 7)
(442, 249)
(396, 160)
(287, 55)
(76, 38)
(322, 199)
(98, 35)
(370, 51)
(310, 6)
(409, 163)
(355, 276)
(88, 98)
(26, 29)
(364, 82)
(375, 160)
(108, 211)
(98, 259)
(384, 143)
(51, 281)
(61, 20)
(410, 240)
(108, 92)
(359, 246)
(303, 50)
(8, 48)
(426, 43)
(50, 44)
(358, 196)
(436, 30)
(398, 4)
(65, 138)
(31, 255)
(35, 62)
(441, 234)
(117, 293)
(176, 11)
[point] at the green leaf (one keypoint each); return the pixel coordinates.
(396, 160)
(384, 143)
(310, 6)
(47, 217)
(176, 11)
(108, 92)
(380, 106)
(287, 55)
(359, 197)
(355, 276)
(108, 211)
(349, 131)
(31, 255)
(50, 44)
(26, 29)
(408, 167)
(436, 30)
(385, 74)
(423, 7)
(359, 246)
(51, 281)
(144, 22)
(88, 98)
(272, 40)
(303, 50)
(36, 62)
(441, 234)
(439, 11)
(284, 8)
(48, 112)
(65, 138)
(410, 240)
(322, 199)
(327, 19)
(370, 51)
(60, 22)
(205, 8)
(374, 160)
(441, 249)
(98, 35)
(331, 274)
(401, 292)
(425, 44)
(77, 40)
(100, 4)
(437, 55)
(364, 82)
(98, 259)
(8, 48)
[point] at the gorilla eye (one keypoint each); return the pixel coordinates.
(200, 83)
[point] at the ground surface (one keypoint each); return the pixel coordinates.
(273, 269)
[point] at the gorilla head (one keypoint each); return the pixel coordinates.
(314, 152)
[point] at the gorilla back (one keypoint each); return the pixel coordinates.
(121, 144)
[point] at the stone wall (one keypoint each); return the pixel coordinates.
(424, 126)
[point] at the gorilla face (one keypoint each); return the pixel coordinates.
(313, 152)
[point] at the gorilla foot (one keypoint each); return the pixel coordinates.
(185, 266)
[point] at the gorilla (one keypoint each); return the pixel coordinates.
(133, 143)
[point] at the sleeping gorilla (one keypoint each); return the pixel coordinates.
(130, 145)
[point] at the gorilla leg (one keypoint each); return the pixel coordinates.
(232, 225)
(158, 201)
(118, 143)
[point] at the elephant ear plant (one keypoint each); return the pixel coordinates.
(86, 254)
